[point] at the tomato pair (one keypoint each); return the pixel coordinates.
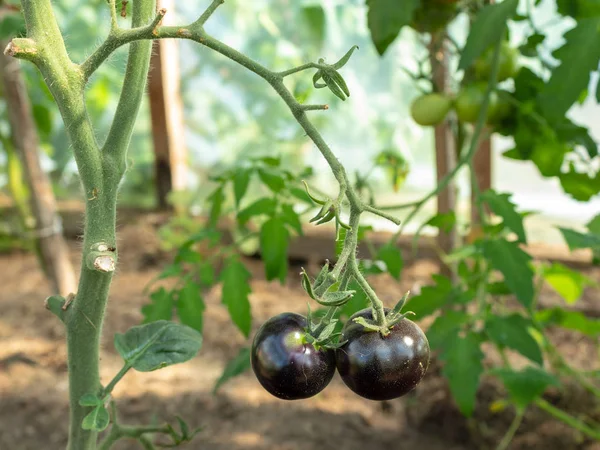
(375, 367)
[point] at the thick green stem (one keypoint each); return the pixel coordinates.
(573, 422)
(510, 433)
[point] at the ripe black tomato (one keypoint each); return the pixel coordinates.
(382, 368)
(285, 364)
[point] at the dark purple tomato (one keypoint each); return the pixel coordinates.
(285, 364)
(382, 368)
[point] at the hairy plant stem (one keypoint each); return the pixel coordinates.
(512, 429)
(101, 170)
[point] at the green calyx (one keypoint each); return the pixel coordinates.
(392, 318)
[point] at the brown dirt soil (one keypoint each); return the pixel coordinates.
(242, 416)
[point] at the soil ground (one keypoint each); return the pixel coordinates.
(242, 416)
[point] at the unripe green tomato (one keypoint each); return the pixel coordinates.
(500, 109)
(508, 64)
(430, 109)
(433, 15)
(469, 100)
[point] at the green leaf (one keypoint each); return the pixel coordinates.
(530, 47)
(236, 288)
(263, 206)
(526, 385)
(579, 185)
(206, 274)
(463, 365)
(571, 320)
(190, 306)
(43, 119)
(90, 400)
(579, 8)
(273, 181)
(445, 327)
(12, 25)
(512, 332)
(576, 240)
(236, 366)
(503, 207)
(432, 297)
(579, 56)
(160, 308)
(158, 344)
(513, 262)
(241, 180)
(443, 221)
(291, 217)
(314, 15)
(300, 194)
(568, 283)
(392, 257)
(97, 420)
(274, 240)
(487, 29)
(216, 200)
(385, 18)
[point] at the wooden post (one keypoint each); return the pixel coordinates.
(166, 110)
(52, 247)
(482, 164)
(445, 152)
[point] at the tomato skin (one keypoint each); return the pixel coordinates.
(469, 101)
(508, 63)
(284, 364)
(382, 368)
(430, 109)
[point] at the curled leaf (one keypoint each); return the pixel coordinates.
(338, 298)
(344, 59)
(306, 284)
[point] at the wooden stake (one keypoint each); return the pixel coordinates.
(445, 152)
(53, 249)
(167, 114)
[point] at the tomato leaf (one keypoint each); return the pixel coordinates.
(433, 297)
(236, 288)
(503, 207)
(488, 28)
(90, 400)
(392, 257)
(236, 366)
(463, 365)
(444, 327)
(291, 217)
(216, 200)
(160, 308)
(386, 18)
(274, 240)
(512, 332)
(513, 262)
(526, 385)
(96, 420)
(443, 221)
(272, 180)
(263, 206)
(579, 56)
(576, 240)
(568, 283)
(158, 344)
(571, 320)
(190, 306)
(241, 180)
